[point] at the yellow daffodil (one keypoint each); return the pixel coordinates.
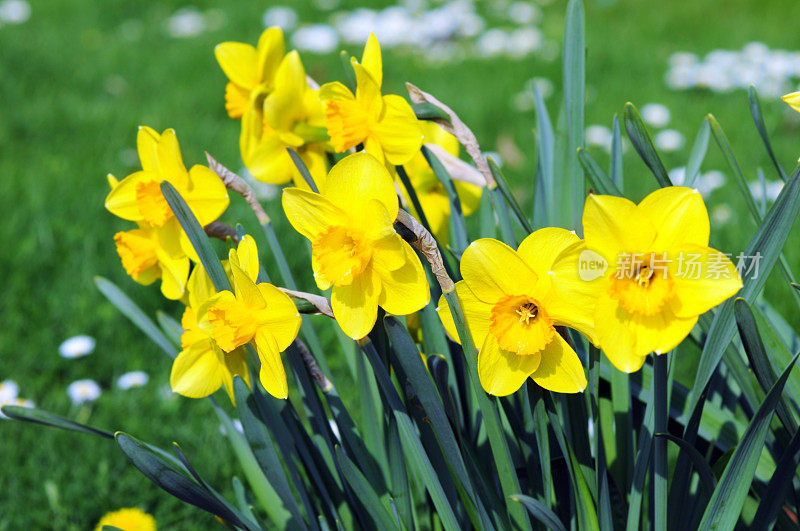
(148, 254)
(431, 193)
(201, 367)
(659, 275)
(138, 196)
(251, 71)
(257, 313)
(512, 312)
(354, 246)
(128, 519)
(159, 248)
(386, 125)
(290, 116)
(793, 100)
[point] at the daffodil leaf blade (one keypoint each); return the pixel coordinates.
(457, 224)
(131, 310)
(725, 505)
(601, 182)
(643, 144)
(303, 169)
(170, 326)
(574, 98)
(508, 195)
(401, 490)
(45, 418)
(428, 111)
(698, 154)
(540, 512)
(380, 514)
(768, 241)
(263, 448)
(544, 189)
(197, 237)
(779, 486)
(758, 118)
(707, 478)
(615, 171)
(170, 475)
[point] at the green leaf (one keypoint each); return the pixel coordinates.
(601, 183)
(412, 194)
(301, 167)
(540, 511)
(459, 232)
(45, 418)
(574, 94)
(170, 475)
(758, 118)
(661, 416)
(768, 241)
(399, 477)
(706, 476)
(370, 500)
(263, 449)
(643, 144)
(616, 156)
(544, 197)
(197, 237)
(170, 326)
(697, 155)
(726, 503)
(349, 73)
(642, 459)
(429, 111)
(779, 486)
(498, 202)
(509, 197)
(129, 309)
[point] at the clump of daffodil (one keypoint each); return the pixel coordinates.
(250, 70)
(290, 116)
(431, 193)
(159, 248)
(201, 367)
(354, 246)
(255, 312)
(512, 312)
(128, 519)
(385, 125)
(661, 274)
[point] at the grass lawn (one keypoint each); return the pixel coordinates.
(80, 76)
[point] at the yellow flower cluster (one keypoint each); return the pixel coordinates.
(622, 286)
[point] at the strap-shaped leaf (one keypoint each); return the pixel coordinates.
(706, 476)
(370, 500)
(574, 95)
(429, 111)
(758, 118)
(509, 197)
(643, 144)
(726, 503)
(129, 309)
(45, 418)
(540, 511)
(544, 199)
(699, 149)
(459, 232)
(779, 486)
(170, 475)
(601, 183)
(616, 156)
(301, 167)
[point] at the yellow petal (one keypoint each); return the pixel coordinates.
(170, 162)
(236, 365)
(122, 200)
(272, 374)
(679, 216)
(265, 156)
(237, 100)
(246, 256)
(540, 249)
(197, 371)
(492, 270)
(470, 197)
(335, 91)
(245, 289)
(560, 369)
(310, 214)
(793, 99)
(284, 106)
(199, 286)
(356, 306)
(284, 321)
(612, 225)
(206, 194)
(371, 59)
(174, 273)
(147, 146)
(317, 163)
(702, 278)
(398, 130)
(270, 50)
(476, 312)
(502, 372)
(405, 290)
(368, 91)
(356, 180)
(239, 61)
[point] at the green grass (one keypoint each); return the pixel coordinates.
(62, 130)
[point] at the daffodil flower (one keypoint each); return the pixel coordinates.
(431, 193)
(290, 116)
(159, 248)
(386, 125)
(659, 276)
(793, 100)
(201, 367)
(251, 71)
(512, 312)
(256, 313)
(354, 246)
(127, 518)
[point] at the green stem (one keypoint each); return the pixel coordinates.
(660, 383)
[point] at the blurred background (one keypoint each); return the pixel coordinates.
(79, 76)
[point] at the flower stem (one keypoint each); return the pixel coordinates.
(660, 383)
